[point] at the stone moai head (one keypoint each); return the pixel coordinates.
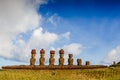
(32, 59)
(70, 59)
(61, 59)
(52, 53)
(33, 53)
(79, 62)
(42, 59)
(52, 59)
(87, 63)
(70, 55)
(61, 52)
(42, 52)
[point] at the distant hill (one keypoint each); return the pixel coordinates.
(118, 63)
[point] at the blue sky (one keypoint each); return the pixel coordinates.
(87, 28)
(92, 23)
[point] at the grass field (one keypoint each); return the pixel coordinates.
(112, 73)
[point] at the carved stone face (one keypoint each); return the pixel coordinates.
(52, 55)
(33, 55)
(61, 51)
(42, 55)
(33, 51)
(70, 55)
(42, 51)
(61, 55)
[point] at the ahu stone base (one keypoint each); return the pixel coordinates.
(53, 67)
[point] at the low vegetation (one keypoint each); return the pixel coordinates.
(111, 73)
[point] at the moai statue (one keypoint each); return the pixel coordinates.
(87, 63)
(61, 59)
(70, 59)
(42, 59)
(79, 62)
(32, 59)
(114, 62)
(52, 59)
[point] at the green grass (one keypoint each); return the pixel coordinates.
(112, 73)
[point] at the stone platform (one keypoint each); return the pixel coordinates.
(53, 67)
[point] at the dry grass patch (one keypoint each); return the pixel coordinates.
(112, 73)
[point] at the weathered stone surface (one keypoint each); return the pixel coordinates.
(32, 59)
(42, 59)
(87, 63)
(48, 67)
(61, 59)
(52, 59)
(79, 62)
(70, 59)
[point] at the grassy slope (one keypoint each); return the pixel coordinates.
(93, 74)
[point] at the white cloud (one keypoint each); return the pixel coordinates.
(16, 16)
(66, 35)
(113, 55)
(42, 39)
(54, 19)
(73, 48)
(38, 40)
(20, 17)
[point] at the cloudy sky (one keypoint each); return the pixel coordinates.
(90, 29)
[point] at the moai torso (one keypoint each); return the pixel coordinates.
(70, 59)
(32, 59)
(79, 62)
(42, 59)
(61, 59)
(52, 59)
